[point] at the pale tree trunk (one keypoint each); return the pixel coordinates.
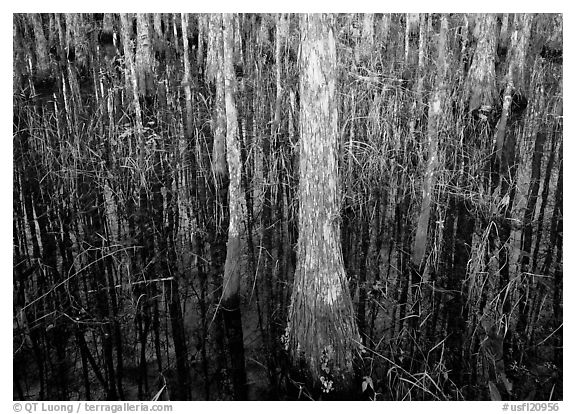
(412, 22)
(144, 59)
(108, 23)
(72, 102)
(503, 43)
(416, 108)
(367, 34)
(416, 112)
(187, 80)
(202, 29)
(504, 29)
(230, 302)
(364, 38)
(425, 21)
(132, 89)
(42, 60)
(322, 334)
(281, 33)
(383, 32)
(435, 116)
(515, 75)
(480, 85)
(130, 75)
(52, 33)
(215, 74)
(157, 23)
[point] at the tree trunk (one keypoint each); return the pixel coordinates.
(435, 112)
(480, 85)
(230, 303)
(42, 58)
(143, 64)
(216, 75)
(322, 335)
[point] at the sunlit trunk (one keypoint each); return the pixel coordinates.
(322, 335)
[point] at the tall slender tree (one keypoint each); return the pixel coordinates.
(435, 111)
(230, 303)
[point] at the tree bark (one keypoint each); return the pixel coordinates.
(480, 85)
(42, 58)
(230, 304)
(435, 112)
(322, 332)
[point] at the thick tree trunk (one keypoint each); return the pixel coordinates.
(144, 63)
(480, 85)
(42, 58)
(322, 333)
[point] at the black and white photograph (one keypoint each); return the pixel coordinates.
(287, 207)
